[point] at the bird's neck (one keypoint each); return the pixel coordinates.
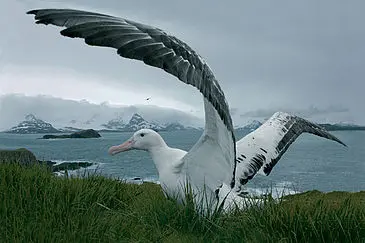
(165, 158)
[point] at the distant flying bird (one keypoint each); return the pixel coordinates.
(148, 98)
(216, 168)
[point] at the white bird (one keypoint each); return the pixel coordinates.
(216, 167)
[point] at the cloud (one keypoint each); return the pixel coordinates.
(68, 84)
(307, 112)
(265, 54)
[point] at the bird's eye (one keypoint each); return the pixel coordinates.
(142, 134)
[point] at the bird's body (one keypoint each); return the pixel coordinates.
(216, 167)
(258, 151)
(168, 162)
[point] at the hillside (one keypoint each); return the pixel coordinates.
(31, 124)
(97, 209)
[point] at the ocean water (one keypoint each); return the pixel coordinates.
(310, 162)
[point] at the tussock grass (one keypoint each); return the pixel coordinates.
(38, 207)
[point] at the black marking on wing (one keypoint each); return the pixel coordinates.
(253, 166)
(217, 193)
(241, 158)
(243, 181)
(263, 150)
(257, 161)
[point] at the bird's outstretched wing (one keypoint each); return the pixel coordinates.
(212, 159)
(142, 42)
(263, 148)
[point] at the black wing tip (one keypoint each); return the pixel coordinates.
(317, 127)
(34, 11)
(330, 136)
(342, 143)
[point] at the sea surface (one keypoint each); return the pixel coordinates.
(310, 162)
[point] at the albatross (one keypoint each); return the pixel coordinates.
(216, 168)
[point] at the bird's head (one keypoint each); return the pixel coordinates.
(144, 139)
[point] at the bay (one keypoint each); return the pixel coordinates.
(310, 162)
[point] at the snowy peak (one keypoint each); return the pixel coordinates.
(136, 119)
(174, 127)
(115, 124)
(252, 126)
(31, 124)
(32, 118)
(137, 122)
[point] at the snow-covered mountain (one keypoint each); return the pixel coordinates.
(72, 115)
(175, 127)
(252, 126)
(31, 124)
(135, 123)
(115, 124)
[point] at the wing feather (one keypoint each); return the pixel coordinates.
(154, 46)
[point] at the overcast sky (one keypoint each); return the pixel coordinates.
(305, 57)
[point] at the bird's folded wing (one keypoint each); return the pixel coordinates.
(209, 162)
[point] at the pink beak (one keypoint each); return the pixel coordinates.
(127, 145)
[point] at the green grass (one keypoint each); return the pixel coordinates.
(38, 207)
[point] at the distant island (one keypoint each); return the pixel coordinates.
(329, 127)
(89, 133)
(342, 127)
